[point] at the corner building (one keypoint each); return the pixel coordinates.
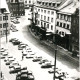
(45, 17)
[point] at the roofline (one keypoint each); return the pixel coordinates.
(47, 7)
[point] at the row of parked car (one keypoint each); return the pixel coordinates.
(44, 63)
(22, 72)
(13, 28)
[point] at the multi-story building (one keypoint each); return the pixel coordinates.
(4, 19)
(16, 7)
(75, 32)
(63, 24)
(46, 16)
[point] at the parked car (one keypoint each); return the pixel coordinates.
(12, 39)
(24, 71)
(2, 50)
(2, 57)
(8, 62)
(29, 72)
(36, 59)
(24, 77)
(4, 53)
(52, 70)
(47, 65)
(16, 42)
(14, 30)
(30, 77)
(28, 56)
(18, 76)
(20, 47)
(13, 64)
(15, 69)
(43, 61)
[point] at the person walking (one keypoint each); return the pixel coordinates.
(22, 55)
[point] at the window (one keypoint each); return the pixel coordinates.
(5, 25)
(51, 19)
(57, 31)
(11, 0)
(69, 18)
(60, 24)
(64, 25)
(41, 16)
(42, 3)
(5, 17)
(38, 22)
(44, 24)
(29, 1)
(53, 4)
(61, 16)
(67, 26)
(41, 10)
(0, 32)
(48, 26)
(44, 11)
(25, 1)
(0, 25)
(0, 18)
(57, 23)
(16, 0)
(51, 27)
(48, 18)
(52, 12)
(58, 16)
(44, 17)
(49, 4)
(62, 33)
(48, 12)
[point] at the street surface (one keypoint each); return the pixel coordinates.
(63, 62)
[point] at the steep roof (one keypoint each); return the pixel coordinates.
(3, 4)
(70, 8)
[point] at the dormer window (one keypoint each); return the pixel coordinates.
(42, 3)
(49, 4)
(53, 4)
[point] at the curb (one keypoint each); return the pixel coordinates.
(59, 47)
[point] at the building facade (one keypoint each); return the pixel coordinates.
(75, 32)
(46, 17)
(4, 19)
(16, 7)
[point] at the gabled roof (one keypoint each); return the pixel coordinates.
(3, 5)
(69, 8)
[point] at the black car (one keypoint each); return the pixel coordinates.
(16, 42)
(12, 39)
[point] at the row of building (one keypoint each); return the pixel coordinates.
(58, 21)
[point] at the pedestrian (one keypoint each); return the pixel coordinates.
(22, 55)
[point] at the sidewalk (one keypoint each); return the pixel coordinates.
(52, 45)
